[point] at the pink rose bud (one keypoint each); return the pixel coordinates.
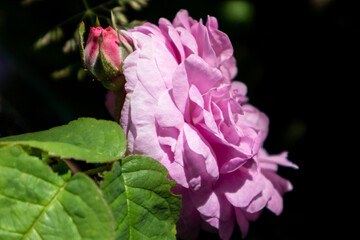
(105, 52)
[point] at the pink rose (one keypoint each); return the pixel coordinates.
(105, 62)
(182, 109)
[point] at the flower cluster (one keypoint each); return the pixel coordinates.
(182, 109)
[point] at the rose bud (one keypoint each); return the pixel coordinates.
(105, 52)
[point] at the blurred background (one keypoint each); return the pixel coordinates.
(298, 58)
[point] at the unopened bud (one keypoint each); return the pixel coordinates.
(105, 52)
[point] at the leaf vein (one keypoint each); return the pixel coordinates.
(38, 233)
(87, 204)
(20, 200)
(27, 173)
(109, 183)
(45, 209)
(146, 210)
(127, 203)
(72, 219)
(112, 201)
(157, 194)
(9, 231)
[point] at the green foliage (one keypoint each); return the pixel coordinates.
(42, 202)
(84, 139)
(52, 35)
(139, 196)
(36, 203)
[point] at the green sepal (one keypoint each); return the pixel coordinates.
(97, 23)
(113, 21)
(81, 31)
(109, 76)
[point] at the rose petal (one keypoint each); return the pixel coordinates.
(166, 113)
(198, 155)
(220, 42)
(242, 222)
(201, 74)
(182, 19)
(180, 91)
(277, 159)
(175, 43)
(240, 187)
(188, 41)
(206, 51)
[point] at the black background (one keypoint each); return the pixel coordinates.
(299, 59)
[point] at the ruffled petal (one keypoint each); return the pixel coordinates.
(206, 52)
(201, 74)
(227, 218)
(188, 41)
(238, 92)
(220, 42)
(262, 199)
(169, 131)
(240, 187)
(280, 186)
(182, 19)
(277, 159)
(242, 221)
(174, 39)
(199, 157)
(180, 91)
(167, 114)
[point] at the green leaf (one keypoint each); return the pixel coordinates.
(138, 192)
(83, 139)
(36, 203)
(81, 31)
(53, 35)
